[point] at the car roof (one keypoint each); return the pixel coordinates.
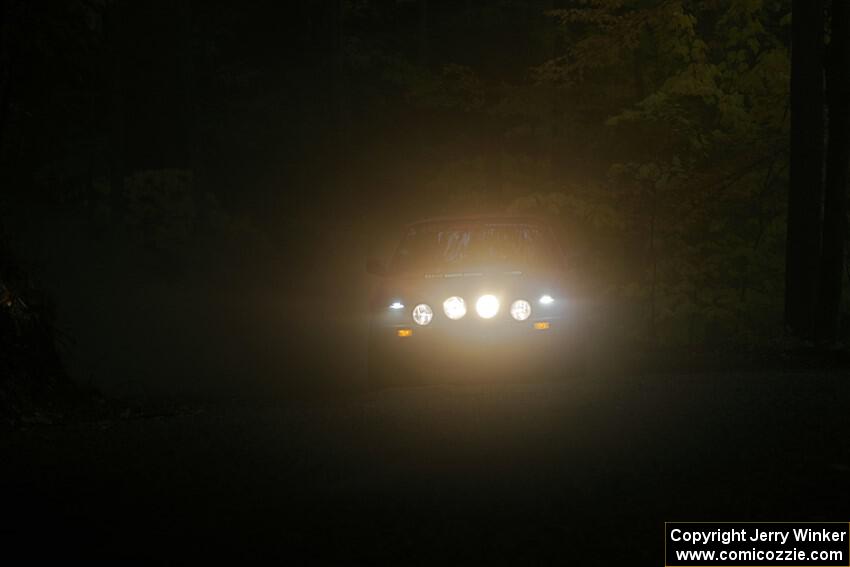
(483, 219)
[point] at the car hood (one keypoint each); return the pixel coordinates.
(434, 288)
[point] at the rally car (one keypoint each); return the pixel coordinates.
(472, 296)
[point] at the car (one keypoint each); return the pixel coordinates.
(466, 297)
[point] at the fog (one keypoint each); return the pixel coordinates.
(285, 315)
(190, 192)
(199, 197)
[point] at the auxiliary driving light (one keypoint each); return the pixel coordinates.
(546, 299)
(487, 306)
(396, 305)
(422, 314)
(520, 310)
(455, 307)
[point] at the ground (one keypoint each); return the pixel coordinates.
(519, 472)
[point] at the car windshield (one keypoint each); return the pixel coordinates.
(443, 247)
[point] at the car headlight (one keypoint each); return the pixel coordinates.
(520, 310)
(455, 307)
(546, 299)
(487, 306)
(422, 314)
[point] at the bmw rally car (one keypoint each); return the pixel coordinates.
(469, 297)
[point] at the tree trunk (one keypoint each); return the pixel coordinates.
(114, 29)
(5, 71)
(807, 152)
(424, 39)
(556, 47)
(653, 258)
(189, 95)
(838, 155)
(337, 100)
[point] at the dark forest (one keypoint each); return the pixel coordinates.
(189, 193)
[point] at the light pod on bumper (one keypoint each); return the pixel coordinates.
(520, 310)
(487, 306)
(454, 307)
(422, 314)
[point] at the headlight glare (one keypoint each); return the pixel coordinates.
(520, 310)
(546, 299)
(487, 306)
(422, 314)
(454, 307)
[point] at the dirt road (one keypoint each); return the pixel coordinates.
(481, 473)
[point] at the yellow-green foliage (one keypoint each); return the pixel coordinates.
(697, 196)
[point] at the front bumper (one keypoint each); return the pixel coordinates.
(472, 347)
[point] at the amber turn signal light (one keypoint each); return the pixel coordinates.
(405, 332)
(541, 325)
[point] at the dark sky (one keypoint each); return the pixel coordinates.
(263, 98)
